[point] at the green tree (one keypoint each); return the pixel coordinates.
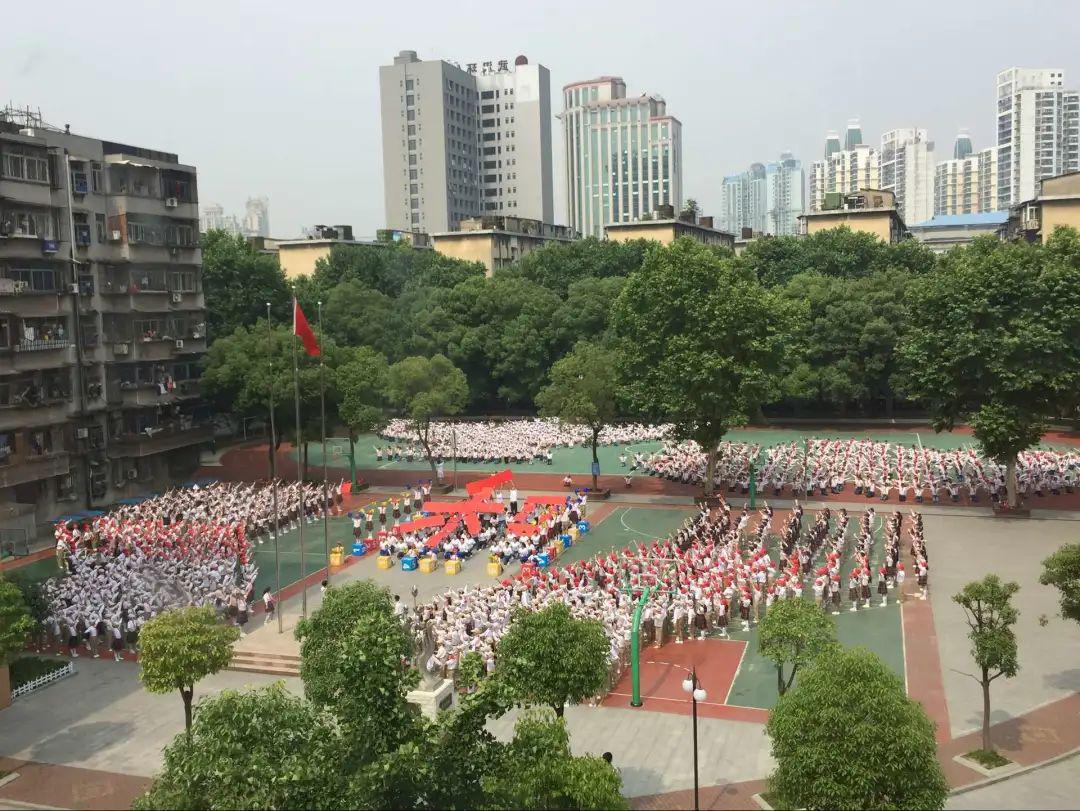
(262, 749)
(847, 736)
(690, 208)
(426, 390)
(991, 616)
(582, 392)
(239, 282)
(16, 623)
(181, 647)
(361, 385)
(470, 671)
(237, 378)
(557, 265)
(355, 315)
(1062, 571)
(994, 338)
(551, 657)
(354, 662)
(793, 634)
(554, 778)
(702, 342)
(585, 313)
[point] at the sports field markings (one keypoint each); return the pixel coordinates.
(628, 528)
(731, 686)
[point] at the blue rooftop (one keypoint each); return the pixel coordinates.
(959, 220)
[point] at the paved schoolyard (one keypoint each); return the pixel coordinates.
(963, 549)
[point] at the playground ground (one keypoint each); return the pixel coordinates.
(578, 460)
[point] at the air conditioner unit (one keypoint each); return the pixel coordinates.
(171, 202)
(132, 473)
(179, 344)
(121, 349)
(82, 433)
(177, 298)
(21, 286)
(114, 236)
(7, 287)
(74, 289)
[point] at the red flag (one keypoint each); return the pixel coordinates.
(303, 329)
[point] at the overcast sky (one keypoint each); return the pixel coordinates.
(281, 99)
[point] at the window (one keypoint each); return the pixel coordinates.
(412, 129)
(412, 160)
(22, 163)
(412, 174)
(408, 84)
(414, 188)
(27, 223)
(96, 184)
(409, 100)
(410, 115)
(99, 223)
(412, 143)
(37, 280)
(415, 218)
(414, 202)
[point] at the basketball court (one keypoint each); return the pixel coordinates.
(663, 670)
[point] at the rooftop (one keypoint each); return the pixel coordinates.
(961, 220)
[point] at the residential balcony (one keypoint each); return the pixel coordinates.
(135, 395)
(16, 470)
(158, 440)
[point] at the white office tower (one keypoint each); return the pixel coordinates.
(845, 171)
(1038, 125)
(967, 185)
(463, 142)
(623, 155)
(907, 170)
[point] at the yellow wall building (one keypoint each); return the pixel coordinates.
(497, 242)
(871, 210)
(1058, 205)
(668, 230)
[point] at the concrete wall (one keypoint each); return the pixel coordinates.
(878, 224)
(469, 246)
(299, 260)
(1058, 213)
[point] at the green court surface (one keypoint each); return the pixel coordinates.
(288, 547)
(878, 629)
(625, 527)
(37, 572)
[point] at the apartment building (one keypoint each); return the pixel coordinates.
(845, 171)
(968, 184)
(907, 169)
(871, 211)
(766, 199)
(462, 142)
(1038, 131)
(623, 155)
(102, 325)
(498, 242)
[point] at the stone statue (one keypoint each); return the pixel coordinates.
(425, 647)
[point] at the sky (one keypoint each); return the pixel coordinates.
(281, 99)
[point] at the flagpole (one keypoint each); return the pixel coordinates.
(273, 469)
(299, 465)
(325, 493)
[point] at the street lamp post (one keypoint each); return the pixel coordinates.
(692, 686)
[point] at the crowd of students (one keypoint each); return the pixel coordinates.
(501, 533)
(188, 547)
(874, 469)
(505, 441)
(714, 573)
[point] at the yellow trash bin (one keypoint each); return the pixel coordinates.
(384, 562)
(453, 567)
(427, 564)
(335, 557)
(494, 568)
(573, 533)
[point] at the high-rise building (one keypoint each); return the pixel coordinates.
(460, 143)
(1038, 131)
(853, 135)
(967, 185)
(907, 169)
(832, 143)
(102, 321)
(214, 218)
(767, 198)
(962, 146)
(845, 171)
(256, 217)
(623, 155)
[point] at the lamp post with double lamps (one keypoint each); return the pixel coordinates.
(692, 686)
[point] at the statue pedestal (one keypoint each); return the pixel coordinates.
(432, 702)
